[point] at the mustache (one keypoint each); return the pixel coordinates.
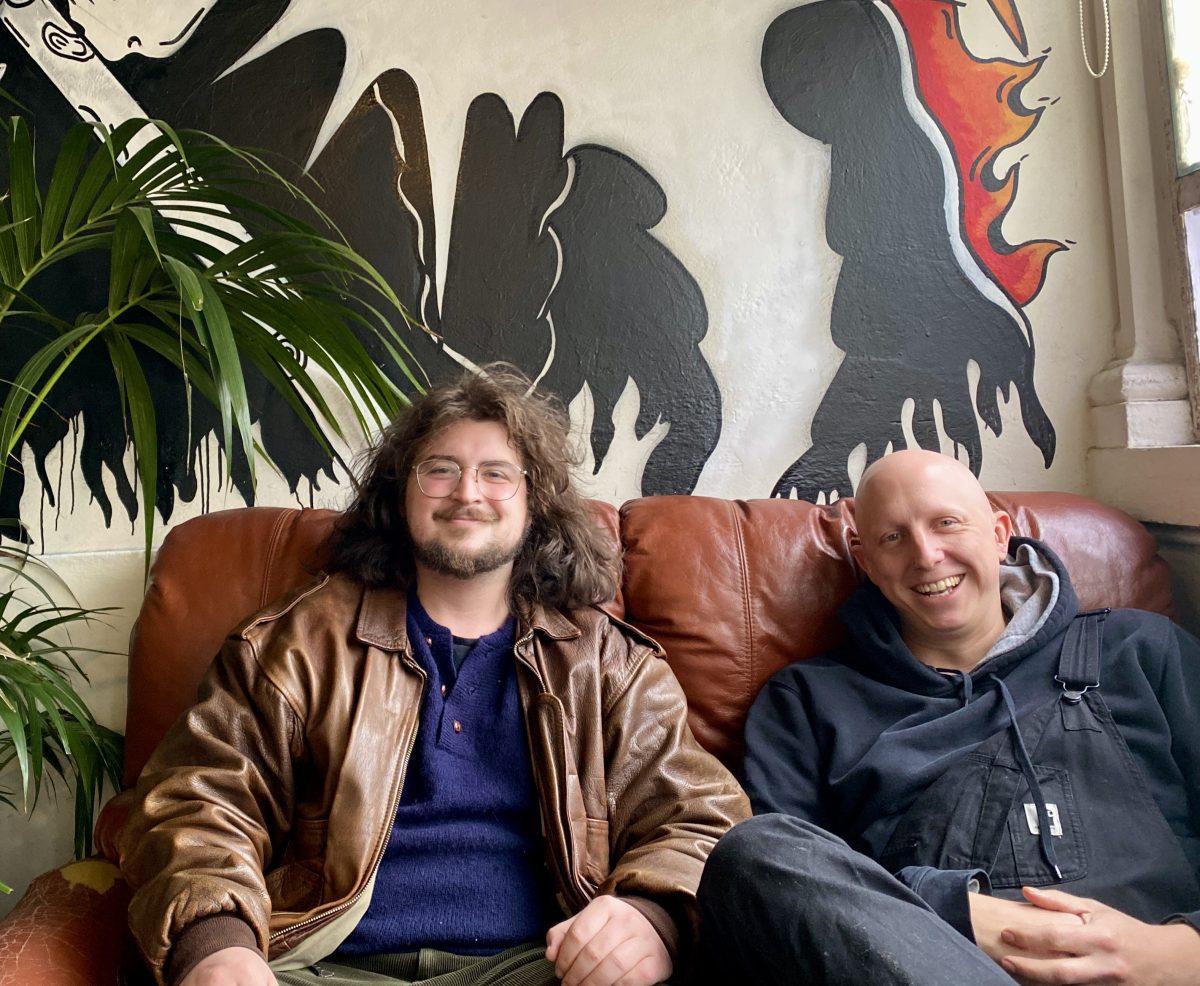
(464, 513)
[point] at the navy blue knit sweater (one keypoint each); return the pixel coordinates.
(463, 870)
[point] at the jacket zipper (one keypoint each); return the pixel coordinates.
(572, 862)
(351, 901)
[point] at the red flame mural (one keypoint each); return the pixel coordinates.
(977, 104)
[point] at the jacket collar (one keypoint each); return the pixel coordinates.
(552, 622)
(383, 620)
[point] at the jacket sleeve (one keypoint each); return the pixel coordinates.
(669, 800)
(786, 772)
(211, 802)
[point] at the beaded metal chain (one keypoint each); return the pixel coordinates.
(1087, 59)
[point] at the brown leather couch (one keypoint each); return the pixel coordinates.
(733, 590)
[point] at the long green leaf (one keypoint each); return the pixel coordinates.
(10, 262)
(227, 370)
(139, 409)
(128, 242)
(23, 193)
(145, 219)
(14, 413)
(61, 189)
(14, 723)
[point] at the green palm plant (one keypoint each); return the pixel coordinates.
(45, 727)
(203, 273)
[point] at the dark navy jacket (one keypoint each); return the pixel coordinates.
(849, 740)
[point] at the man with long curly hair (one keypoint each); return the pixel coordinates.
(440, 762)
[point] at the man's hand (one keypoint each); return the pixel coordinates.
(608, 943)
(1105, 947)
(992, 916)
(235, 966)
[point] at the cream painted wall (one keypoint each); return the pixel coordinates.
(678, 85)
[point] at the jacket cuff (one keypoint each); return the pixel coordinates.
(203, 937)
(1193, 919)
(663, 923)
(945, 891)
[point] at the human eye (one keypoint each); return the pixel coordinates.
(497, 472)
(947, 522)
(439, 468)
(891, 537)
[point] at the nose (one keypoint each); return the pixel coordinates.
(926, 549)
(467, 490)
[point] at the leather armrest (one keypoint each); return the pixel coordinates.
(69, 929)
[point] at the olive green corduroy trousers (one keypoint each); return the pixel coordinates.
(524, 965)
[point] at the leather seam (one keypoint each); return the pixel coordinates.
(273, 542)
(744, 572)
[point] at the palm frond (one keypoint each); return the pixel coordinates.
(201, 268)
(45, 725)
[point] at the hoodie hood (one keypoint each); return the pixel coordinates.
(1038, 602)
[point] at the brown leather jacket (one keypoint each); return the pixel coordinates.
(272, 798)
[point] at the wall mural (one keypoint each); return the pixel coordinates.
(548, 255)
(915, 123)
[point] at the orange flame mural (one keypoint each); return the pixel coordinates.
(977, 104)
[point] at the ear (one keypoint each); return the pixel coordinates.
(860, 555)
(1003, 530)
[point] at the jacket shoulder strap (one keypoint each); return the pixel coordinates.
(1079, 660)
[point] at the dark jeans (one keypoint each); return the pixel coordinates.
(783, 901)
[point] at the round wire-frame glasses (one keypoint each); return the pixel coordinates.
(438, 478)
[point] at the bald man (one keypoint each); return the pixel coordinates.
(983, 782)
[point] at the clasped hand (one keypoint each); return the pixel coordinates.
(1058, 938)
(609, 943)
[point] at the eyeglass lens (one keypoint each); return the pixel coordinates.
(496, 480)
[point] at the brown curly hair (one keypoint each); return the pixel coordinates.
(566, 561)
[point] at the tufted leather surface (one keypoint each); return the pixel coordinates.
(733, 590)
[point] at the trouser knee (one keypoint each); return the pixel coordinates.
(767, 840)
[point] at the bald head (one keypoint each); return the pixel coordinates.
(928, 537)
(913, 467)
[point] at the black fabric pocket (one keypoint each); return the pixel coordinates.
(1019, 860)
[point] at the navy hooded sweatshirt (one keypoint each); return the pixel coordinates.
(849, 740)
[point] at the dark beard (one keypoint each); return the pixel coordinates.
(441, 558)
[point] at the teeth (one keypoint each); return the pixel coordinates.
(942, 585)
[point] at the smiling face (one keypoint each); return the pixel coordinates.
(465, 534)
(931, 542)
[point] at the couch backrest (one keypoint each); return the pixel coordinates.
(733, 590)
(737, 589)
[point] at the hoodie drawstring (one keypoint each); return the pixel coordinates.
(1039, 800)
(967, 686)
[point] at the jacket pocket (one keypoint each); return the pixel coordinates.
(297, 883)
(595, 866)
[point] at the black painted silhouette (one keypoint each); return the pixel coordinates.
(552, 263)
(906, 312)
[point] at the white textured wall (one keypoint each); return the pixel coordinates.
(678, 85)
